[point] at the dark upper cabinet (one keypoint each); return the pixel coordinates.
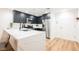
(37, 20)
(19, 17)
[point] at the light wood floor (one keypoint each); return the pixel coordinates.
(7, 48)
(58, 44)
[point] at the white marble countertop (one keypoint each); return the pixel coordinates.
(19, 34)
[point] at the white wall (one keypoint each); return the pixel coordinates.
(6, 17)
(63, 23)
(77, 27)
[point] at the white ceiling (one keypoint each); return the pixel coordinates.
(34, 11)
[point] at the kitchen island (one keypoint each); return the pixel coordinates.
(30, 40)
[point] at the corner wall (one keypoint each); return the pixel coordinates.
(63, 23)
